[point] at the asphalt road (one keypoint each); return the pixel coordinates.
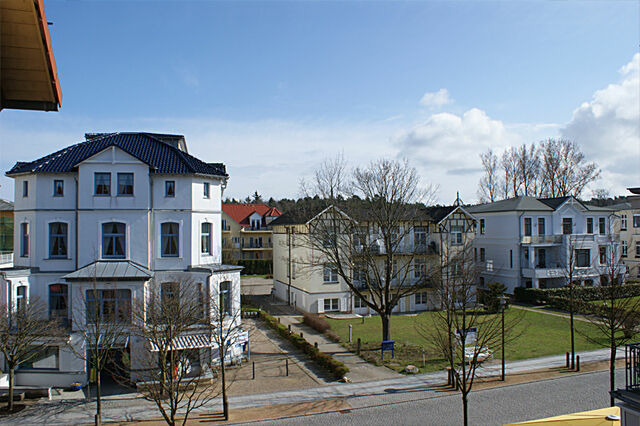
(496, 406)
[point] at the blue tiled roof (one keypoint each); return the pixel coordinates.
(161, 157)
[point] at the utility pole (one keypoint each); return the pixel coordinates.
(289, 236)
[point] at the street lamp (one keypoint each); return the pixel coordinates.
(503, 304)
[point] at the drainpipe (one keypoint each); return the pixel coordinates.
(289, 232)
(150, 216)
(76, 224)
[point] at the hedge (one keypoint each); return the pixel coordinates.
(540, 296)
(326, 361)
(256, 266)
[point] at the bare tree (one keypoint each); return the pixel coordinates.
(330, 180)
(564, 168)
(615, 315)
(25, 333)
(489, 186)
(171, 374)
(103, 333)
(528, 169)
(366, 240)
(511, 182)
(462, 331)
(225, 330)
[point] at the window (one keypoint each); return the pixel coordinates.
(113, 240)
(330, 274)
(21, 298)
(169, 293)
(225, 297)
(45, 359)
(329, 240)
(108, 305)
(58, 240)
(58, 188)
(225, 227)
(603, 255)
(125, 183)
(589, 225)
(526, 256)
(541, 258)
(602, 225)
(102, 183)
(256, 224)
(419, 268)
(625, 248)
(541, 226)
(421, 298)
(482, 226)
(170, 239)
(638, 249)
(567, 225)
(25, 189)
(636, 221)
(24, 239)
(511, 259)
(205, 189)
(58, 301)
(456, 235)
(475, 254)
(205, 239)
(623, 222)
(527, 226)
(169, 188)
(331, 305)
(420, 238)
(482, 254)
(358, 303)
(583, 258)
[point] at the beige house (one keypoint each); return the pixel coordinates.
(628, 227)
(304, 281)
(246, 231)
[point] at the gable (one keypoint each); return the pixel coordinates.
(111, 155)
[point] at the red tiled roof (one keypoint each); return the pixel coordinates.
(241, 212)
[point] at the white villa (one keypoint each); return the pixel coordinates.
(529, 242)
(119, 211)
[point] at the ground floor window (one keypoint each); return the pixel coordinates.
(331, 305)
(358, 303)
(47, 358)
(421, 298)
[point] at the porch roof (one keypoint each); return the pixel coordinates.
(106, 270)
(187, 341)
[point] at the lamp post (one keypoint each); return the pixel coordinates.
(503, 303)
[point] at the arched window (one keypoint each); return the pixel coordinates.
(58, 240)
(113, 240)
(58, 301)
(170, 239)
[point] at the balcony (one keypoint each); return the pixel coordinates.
(258, 246)
(6, 260)
(632, 367)
(226, 228)
(541, 239)
(558, 272)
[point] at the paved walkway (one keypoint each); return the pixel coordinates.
(552, 313)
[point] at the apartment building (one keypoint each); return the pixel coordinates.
(304, 281)
(119, 212)
(628, 229)
(246, 231)
(532, 242)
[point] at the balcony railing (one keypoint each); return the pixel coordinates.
(541, 239)
(6, 259)
(632, 366)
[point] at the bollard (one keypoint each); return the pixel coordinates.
(301, 335)
(286, 364)
(362, 319)
(578, 363)
(568, 363)
(350, 329)
(278, 320)
(315, 345)
(253, 370)
(422, 357)
(358, 347)
(289, 328)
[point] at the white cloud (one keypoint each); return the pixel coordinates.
(608, 129)
(436, 99)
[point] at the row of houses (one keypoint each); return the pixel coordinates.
(519, 242)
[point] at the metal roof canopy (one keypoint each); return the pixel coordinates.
(110, 271)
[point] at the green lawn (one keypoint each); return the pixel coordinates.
(540, 335)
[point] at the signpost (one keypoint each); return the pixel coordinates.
(387, 345)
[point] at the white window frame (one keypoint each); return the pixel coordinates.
(329, 274)
(332, 307)
(421, 298)
(67, 239)
(126, 238)
(624, 247)
(623, 222)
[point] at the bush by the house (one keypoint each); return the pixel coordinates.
(337, 368)
(491, 298)
(540, 296)
(316, 322)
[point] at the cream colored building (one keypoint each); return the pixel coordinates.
(628, 227)
(302, 280)
(246, 231)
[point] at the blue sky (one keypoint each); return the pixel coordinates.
(271, 88)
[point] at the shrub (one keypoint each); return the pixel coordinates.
(256, 266)
(491, 298)
(539, 296)
(316, 322)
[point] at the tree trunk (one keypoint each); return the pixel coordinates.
(11, 377)
(612, 372)
(573, 351)
(386, 330)
(225, 403)
(98, 399)
(465, 413)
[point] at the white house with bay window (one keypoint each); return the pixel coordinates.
(120, 211)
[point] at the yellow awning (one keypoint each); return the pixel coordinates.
(585, 418)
